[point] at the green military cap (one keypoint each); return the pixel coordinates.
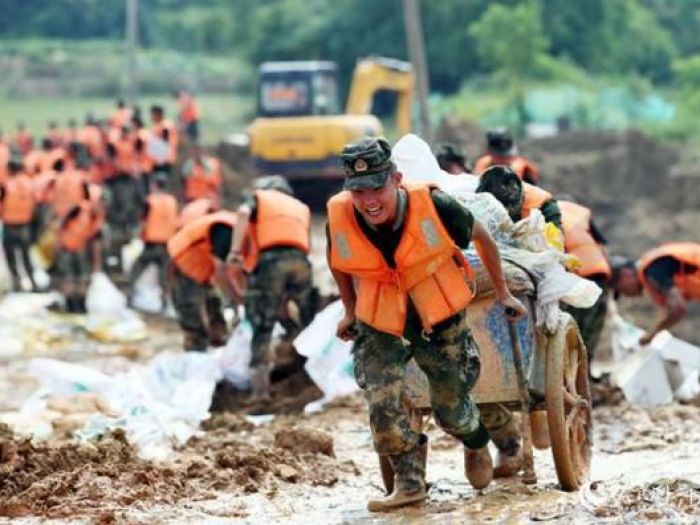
(367, 164)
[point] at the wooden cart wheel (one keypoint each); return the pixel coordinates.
(568, 403)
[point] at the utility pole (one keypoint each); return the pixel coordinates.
(416, 52)
(132, 41)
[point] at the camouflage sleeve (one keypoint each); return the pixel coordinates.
(458, 221)
(551, 212)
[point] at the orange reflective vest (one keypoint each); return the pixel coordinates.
(194, 210)
(430, 268)
(162, 219)
(687, 280)
(189, 110)
(77, 232)
(204, 179)
(578, 241)
(520, 165)
(125, 159)
(69, 190)
(18, 203)
(190, 248)
(34, 161)
(91, 137)
(43, 186)
(120, 117)
(533, 199)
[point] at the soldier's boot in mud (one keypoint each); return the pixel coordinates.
(478, 466)
(409, 481)
(80, 304)
(260, 383)
(388, 471)
(508, 463)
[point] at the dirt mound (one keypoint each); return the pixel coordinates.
(305, 440)
(104, 477)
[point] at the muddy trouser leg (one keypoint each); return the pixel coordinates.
(380, 364)
(162, 261)
(140, 264)
(590, 322)
(503, 427)
(24, 243)
(218, 330)
(9, 243)
(81, 276)
(262, 304)
(450, 360)
(188, 299)
(299, 289)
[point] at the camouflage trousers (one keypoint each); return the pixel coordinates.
(591, 321)
(156, 254)
(17, 238)
(71, 272)
(199, 310)
(282, 275)
(450, 360)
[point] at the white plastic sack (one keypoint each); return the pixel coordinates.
(131, 252)
(157, 149)
(147, 292)
(103, 297)
(234, 358)
(329, 361)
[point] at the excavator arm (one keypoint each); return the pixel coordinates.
(375, 73)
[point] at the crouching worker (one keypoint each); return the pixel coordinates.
(273, 236)
(395, 252)
(199, 251)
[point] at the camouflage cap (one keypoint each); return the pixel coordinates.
(367, 164)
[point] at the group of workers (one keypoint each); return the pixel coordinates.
(394, 249)
(395, 253)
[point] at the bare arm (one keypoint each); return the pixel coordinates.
(242, 221)
(346, 287)
(488, 252)
(222, 279)
(674, 310)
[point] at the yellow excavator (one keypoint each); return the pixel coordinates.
(300, 130)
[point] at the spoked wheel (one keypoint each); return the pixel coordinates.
(568, 402)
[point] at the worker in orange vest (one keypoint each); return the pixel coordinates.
(189, 115)
(164, 130)
(144, 162)
(203, 177)
(69, 189)
(395, 253)
(503, 151)
(583, 239)
(519, 198)
(72, 266)
(23, 139)
(670, 274)
(199, 253)
(120, 116)
(18, 205)
(99, 198)
(159, 224)
(272, 243)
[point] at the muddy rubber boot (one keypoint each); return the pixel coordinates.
(478, 467)
(260, 383)
(80, 306)
(508, 463)
(409, 481)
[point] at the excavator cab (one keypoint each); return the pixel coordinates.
(297, 89)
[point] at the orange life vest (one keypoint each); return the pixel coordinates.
(189, 110)
(194, 210)
(281, 221)
(190, 248)
(43, 185)
(91, 137)
(578, 241)
(687, 280)
(520, 165)
(204, 180)
(533, 199)
(18, 204)
(34, 161)
(69, 190)
(125, 159)
(24, 141)
(120, 117)
(430, 268)
(75, 233)
(162, 219)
